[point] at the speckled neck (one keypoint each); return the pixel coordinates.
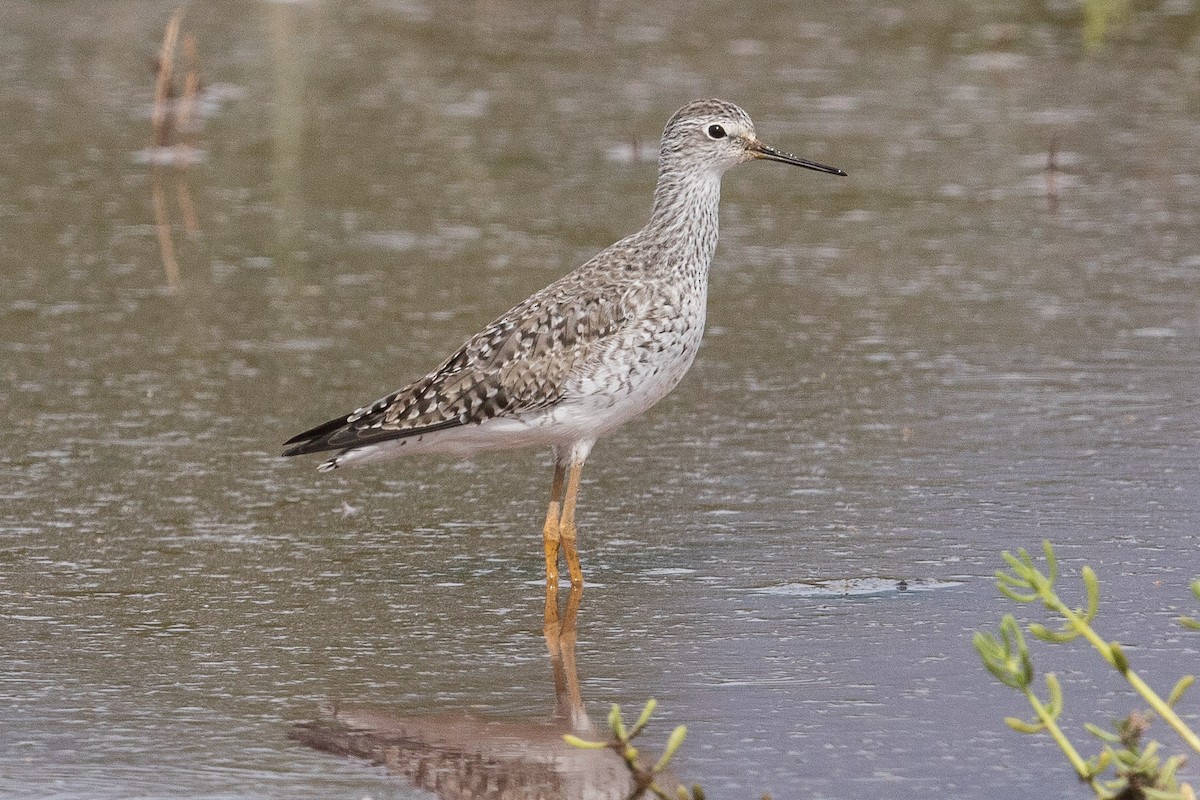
(683, 219)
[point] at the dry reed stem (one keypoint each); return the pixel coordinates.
(161, 124)
(184, 123)
(160, 120)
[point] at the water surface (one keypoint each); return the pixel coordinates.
(951, 353)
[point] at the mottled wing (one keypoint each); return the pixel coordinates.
(521, 362)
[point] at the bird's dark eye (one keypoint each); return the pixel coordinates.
(716, 132)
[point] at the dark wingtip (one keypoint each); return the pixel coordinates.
(298, 450)
(315, 439)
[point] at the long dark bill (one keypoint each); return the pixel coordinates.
(760, 150)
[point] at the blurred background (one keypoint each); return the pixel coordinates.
(984, 337)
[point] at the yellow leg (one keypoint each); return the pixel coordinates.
(551, 533)
(566, 525)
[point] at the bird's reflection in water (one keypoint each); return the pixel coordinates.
(458, 756)
(560, 642)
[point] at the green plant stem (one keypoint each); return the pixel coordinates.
(1081, 767)
(1160, 707)
(1164, 711)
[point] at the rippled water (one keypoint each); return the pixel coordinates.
(951, 353)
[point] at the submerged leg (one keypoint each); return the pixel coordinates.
(551, 531)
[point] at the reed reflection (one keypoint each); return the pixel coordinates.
(460, 756)
(173, 147)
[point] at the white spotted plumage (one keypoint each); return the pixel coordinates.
(590, 351)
